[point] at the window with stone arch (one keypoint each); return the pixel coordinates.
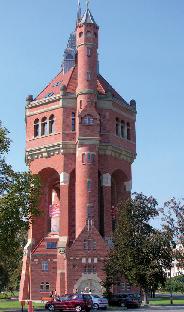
(128, 131)
(44, 126)
(36, 128)
(87, 120)
(117, 126)
(51, 124)
(42, 286)
(122, 128)
(47, 286)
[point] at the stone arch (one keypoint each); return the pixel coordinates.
(118, 192)
(89, 283)
(50, 198)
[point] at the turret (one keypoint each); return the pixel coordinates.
(88, 123)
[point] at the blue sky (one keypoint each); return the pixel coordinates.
(141, 52)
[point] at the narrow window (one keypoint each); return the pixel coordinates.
(89, 75)
(94, 269)
(92, 158)
(89, 157)
(95, 34)
(89, 185)
(45, 266)
(43, 126)
(42, 286)
(47, 286)
(89, 51)
(51, 124)
(128, 131)
(36, 128)
(117, 126)
(85, 244)
(122, 129)
(80, 104)
(73, 121)
(90, 211)
(83, 158)
(94, 245)
(80, 34)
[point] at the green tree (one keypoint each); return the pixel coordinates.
(19, 198)
(140, 252)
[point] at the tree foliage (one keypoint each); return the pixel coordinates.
(19, 196)
(140, 252)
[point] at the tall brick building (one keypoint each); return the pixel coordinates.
(80, 139)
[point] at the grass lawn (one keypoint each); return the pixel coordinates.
(166, 301)
(13, 304)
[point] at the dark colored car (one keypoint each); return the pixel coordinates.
(75, 302)
(132, 301)
(127, 300)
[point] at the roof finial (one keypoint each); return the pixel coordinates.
(79, 11)
(87, 4)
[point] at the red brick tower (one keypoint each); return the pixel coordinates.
(80, 139)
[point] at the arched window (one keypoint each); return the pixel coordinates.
(117, 126)
(88, 34)
(36, 128)
(51, 124)
(47, 286)
(122, 129)
(128, 131)
(42, 286)
(73, 121)
(43, 126)
(88, 120)
(80, 104)
(95, 34)
(80, 34)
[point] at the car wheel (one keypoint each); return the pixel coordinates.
(78, 308)
(95, 306)
(51, 307)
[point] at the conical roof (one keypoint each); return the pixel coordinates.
(88, 18)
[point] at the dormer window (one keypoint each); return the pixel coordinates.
(43, 126)
(88, 120)
(36, 128)
(51, 124)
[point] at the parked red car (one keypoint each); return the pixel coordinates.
(75, 302)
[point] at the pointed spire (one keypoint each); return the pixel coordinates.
(87, 17)
(79, 12)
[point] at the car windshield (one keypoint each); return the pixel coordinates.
(95, 296)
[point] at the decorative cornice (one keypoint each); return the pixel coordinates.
(86, 44)
(108, 98)
(47, 151)
(51, 99)
(117, 152)
(88, 141)
(87, 91)
(67, 147)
